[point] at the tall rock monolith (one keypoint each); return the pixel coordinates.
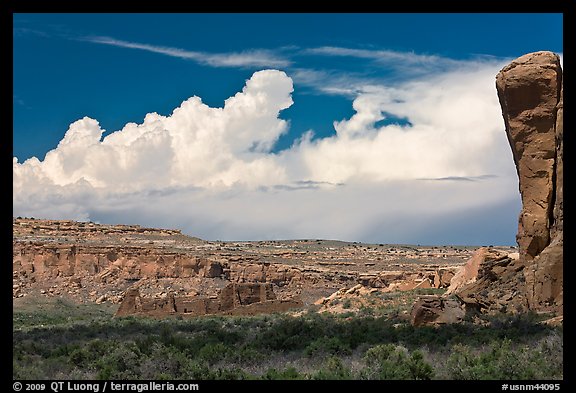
(531, 96)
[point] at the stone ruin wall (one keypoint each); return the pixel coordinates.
(234, 299)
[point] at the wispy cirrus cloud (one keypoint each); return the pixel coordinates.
(380, 68)
(406, 64)
(399, 65)
(23, 31)
(17, 101)
(248, 58)
(332, 82)
(462, 178)
(386, 56)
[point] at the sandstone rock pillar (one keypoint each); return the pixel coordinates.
(530, 93)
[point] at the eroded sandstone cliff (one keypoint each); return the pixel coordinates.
(89, 262)
(531, 95)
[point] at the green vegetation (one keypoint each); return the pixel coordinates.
(58, 312)
(394, 362)
(66, 341)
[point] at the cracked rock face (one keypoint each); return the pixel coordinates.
(531, 96)
(435, 310)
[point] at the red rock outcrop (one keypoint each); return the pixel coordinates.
(106, 262)
(468, 273)
(491, 281)
(499, 287)
(435, 310)
(531, 95)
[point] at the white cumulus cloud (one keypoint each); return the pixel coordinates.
(212, 171)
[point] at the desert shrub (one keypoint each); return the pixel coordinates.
(289, 373)
(327, 345)
(245, 355)
(550, 351)
(29, 369)
(229, 374)
(213, 352)
(395, 362)
(165, 362)
(55, 366)
(145, 344)
(90, 346)
(333, 369)
(122, 362)
(289, 333)
(365, 311)
(419, 368)
(503, 361)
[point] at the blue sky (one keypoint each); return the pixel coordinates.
(272, 163)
